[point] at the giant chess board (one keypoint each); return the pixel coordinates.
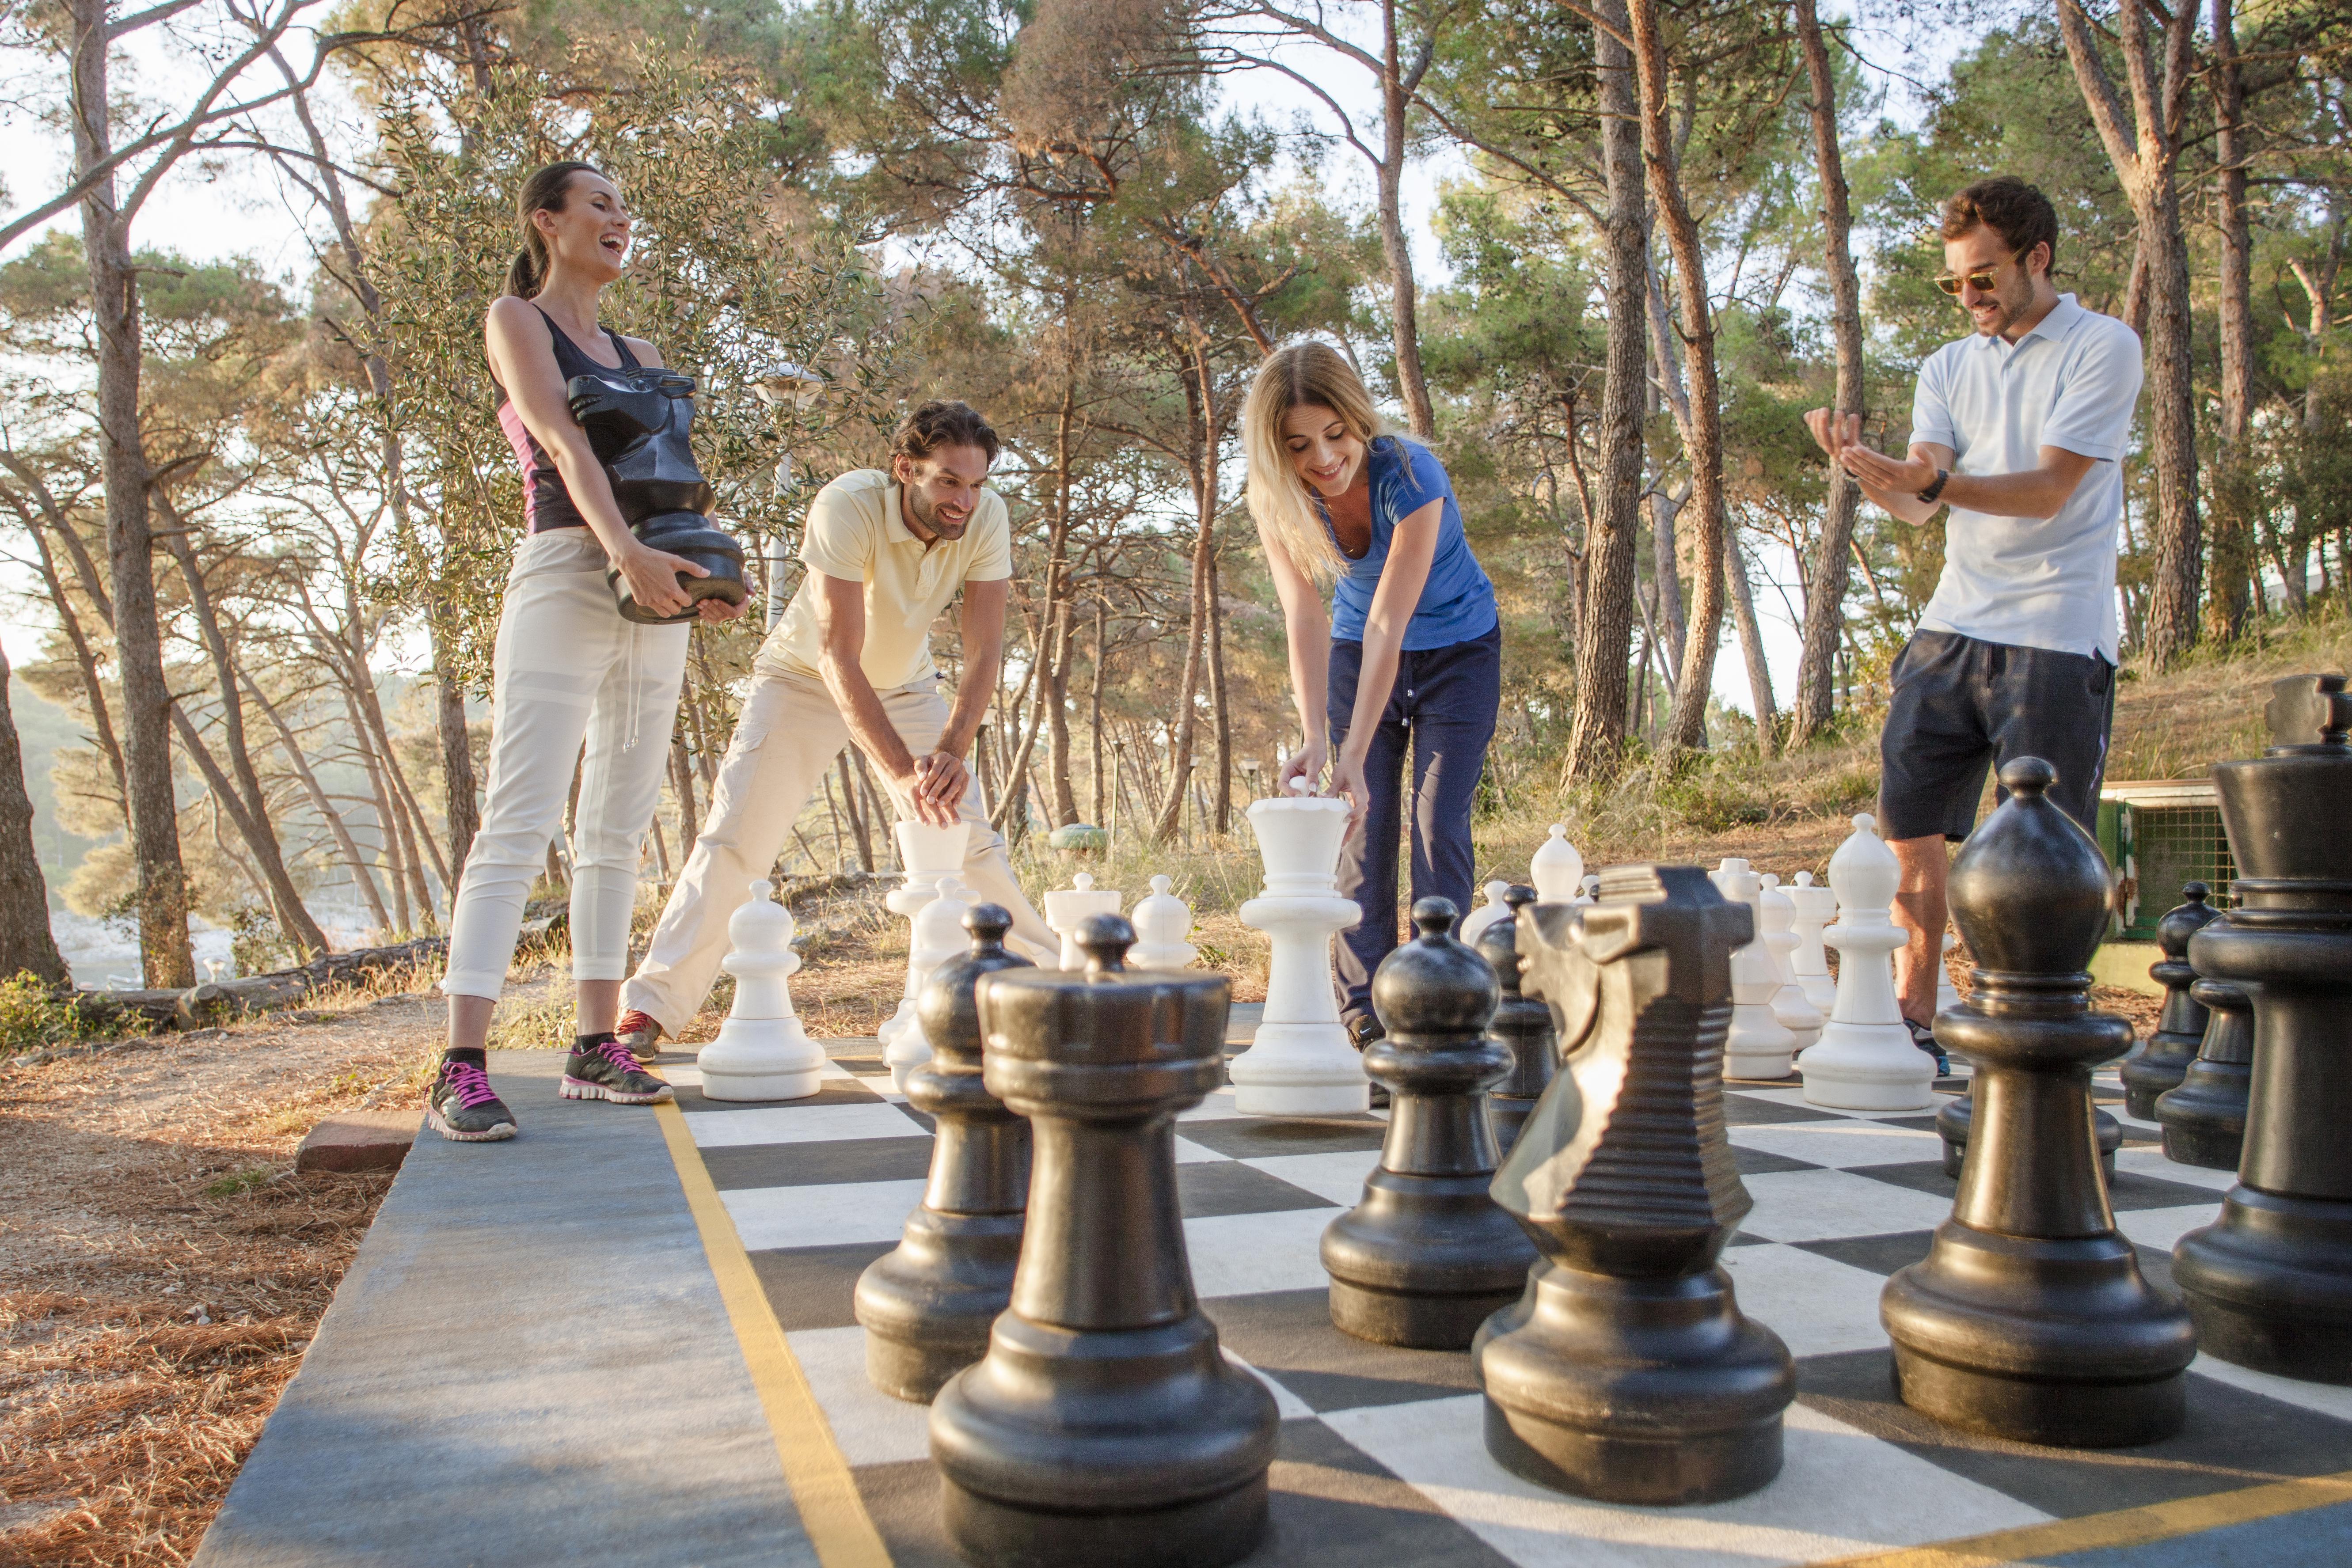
(1381, 1463)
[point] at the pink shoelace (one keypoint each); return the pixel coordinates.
(469, 1083)
(618, 1054)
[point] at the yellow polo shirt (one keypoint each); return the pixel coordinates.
(855, 532)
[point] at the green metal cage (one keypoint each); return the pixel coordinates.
(2158, 835)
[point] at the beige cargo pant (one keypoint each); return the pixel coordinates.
(789, 735)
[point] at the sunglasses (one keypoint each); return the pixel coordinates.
(1981, 279)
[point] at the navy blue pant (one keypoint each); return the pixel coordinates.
(1442, 708)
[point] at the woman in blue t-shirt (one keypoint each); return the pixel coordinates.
(1414, 647)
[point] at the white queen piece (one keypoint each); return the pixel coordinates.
(1757, 1046)
(928, 853)
(1864, 1059)
(1300, 1063)
(762, 1051)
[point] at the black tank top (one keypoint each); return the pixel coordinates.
(545, 503)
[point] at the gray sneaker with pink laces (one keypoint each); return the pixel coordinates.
(604, 1069)
(463, 1107)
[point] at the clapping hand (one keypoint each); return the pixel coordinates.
(1840, 435)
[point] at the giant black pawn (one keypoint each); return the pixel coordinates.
(2029, 1318)
(1522, 1025)
(1426, 1255)
(1104, 1425)
(1954, 1118)
(2181, 1028)
(1627, 1372)
(2204, 1120)
(2270, 1280)
(927, 1306)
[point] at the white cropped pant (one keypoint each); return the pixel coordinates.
(568, 668)
(790, 731)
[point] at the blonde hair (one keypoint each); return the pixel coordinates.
(1297, 375)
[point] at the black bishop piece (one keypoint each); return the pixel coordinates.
(927, 1306)
(1426, 1255)
(2029, 1318)
(1627, 1371)
(2181, 1028)
(1104, 1425)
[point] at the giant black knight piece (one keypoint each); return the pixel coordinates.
(2181, 1028)
(927, 1306)
(2271, 1281)
(2029, 1318)
(1627, 1372)
(1426, 1255)
(637, 421)
(1104, 1425)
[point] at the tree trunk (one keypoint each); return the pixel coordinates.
(1404, 326)
(93, 686)
(1825, 586)
(1605, 615)
(320, 803)
(458, 779)
(2146, 152)
(165, 957)
(681, 783)
(1751, 648)
(2234, 503)
(27, 946)
(1065, 807)
(1094, 717)
(1224, 810)
(387, 824)
(1201, 397)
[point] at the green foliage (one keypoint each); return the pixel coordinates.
(32, 1015)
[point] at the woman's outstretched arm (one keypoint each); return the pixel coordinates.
(1403, 574)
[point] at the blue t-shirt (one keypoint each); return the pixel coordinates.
(1457, 603)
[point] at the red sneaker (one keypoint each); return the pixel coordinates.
(640, 1034)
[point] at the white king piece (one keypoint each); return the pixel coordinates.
(1300, 1063)
(1864, 1059)
(762, 1051)
(928, 854)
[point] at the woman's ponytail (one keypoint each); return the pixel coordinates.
(543, 192)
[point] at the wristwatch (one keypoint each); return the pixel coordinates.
(1932, 492)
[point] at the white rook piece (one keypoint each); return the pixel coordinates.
(1557, 869)
(939, 936)
(928, 854)
(1300, 1063)
(1757, 1046)
(1485, 914)
(1864, 1059)
(1161, 922)
(762, 1051)
(1789, 1004)
(1068, 908)
(1816, 907)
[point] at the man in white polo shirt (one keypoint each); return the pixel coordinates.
(851, 661)
(2021, 430)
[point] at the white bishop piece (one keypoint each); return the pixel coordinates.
(1300, 1063)
(939, 936)
(1757, 1046)
(1816, 907)
(1162, 921)
(1485, 914)
(1557, 869)
(1789, 1004)
(928, 853)
(762, 1051)
(1068, 908)
(1864, 1059)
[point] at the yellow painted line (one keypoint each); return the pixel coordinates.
(2124, 1527)
(831, 1512)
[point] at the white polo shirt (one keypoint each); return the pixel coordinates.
(856, 532)
(2071, 383)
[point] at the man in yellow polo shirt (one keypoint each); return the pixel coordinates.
(851, 661)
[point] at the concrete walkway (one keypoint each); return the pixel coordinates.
(463, 1401)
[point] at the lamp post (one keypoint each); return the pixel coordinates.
(1249, 775)
(791, 390)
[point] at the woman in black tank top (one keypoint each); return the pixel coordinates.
(574, 682)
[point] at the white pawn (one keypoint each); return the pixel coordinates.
(1557, 869)
(1947, 994)
(1162, 921)
(1864, 1059)
(1816, 907)
(1299, 1063)
(1592, 894)
(1067, 909)
(928, 854)
(1789, 1004)
(1485, 914)
(939, 936)
(762, 1051)
(1757, 1047)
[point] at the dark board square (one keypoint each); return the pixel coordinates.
(1334, 1506)
(812, 1287)
(1879, 1254)
(835, 1091)
(1923, 1122)
(903, 1500)
(824, 1163)
(1918, 1176)
(1747, 1110)
(2233, 1439)
(1263, 1137)
(1287, 1334)
(2130, 1191)
(1223, 1186)
(1757, 1162)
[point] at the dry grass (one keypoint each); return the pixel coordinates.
(2209, 709)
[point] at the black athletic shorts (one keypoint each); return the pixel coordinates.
(1961, 706)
